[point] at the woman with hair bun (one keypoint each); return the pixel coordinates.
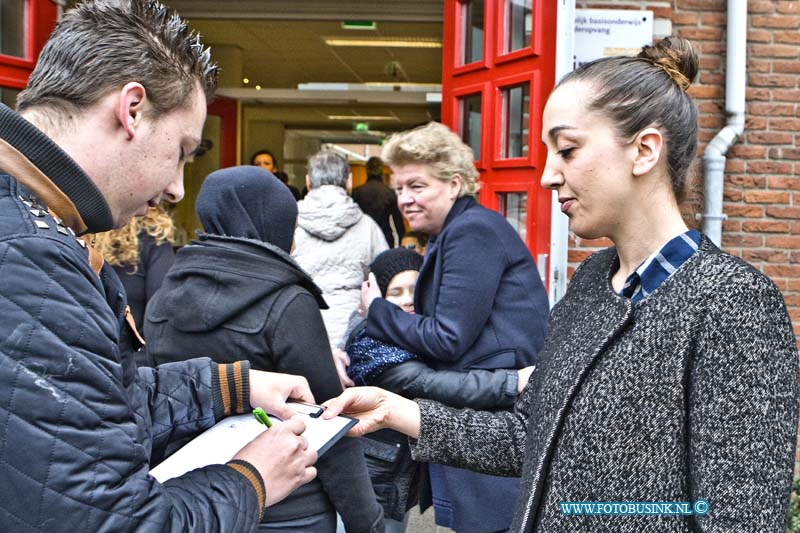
(669, 373)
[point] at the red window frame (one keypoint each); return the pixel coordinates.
(534, 120)
(483, 63)
(481, 89)
(227, 110)
(537, 35)
(40, 19)
(496, 71)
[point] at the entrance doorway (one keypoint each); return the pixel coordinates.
(498, 68)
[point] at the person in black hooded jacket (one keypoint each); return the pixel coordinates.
(236, 291)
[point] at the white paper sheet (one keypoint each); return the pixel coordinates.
(219, 443)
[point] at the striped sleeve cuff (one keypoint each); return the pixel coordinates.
(251, 474)
(231, 386)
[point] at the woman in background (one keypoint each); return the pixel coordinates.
(414, 240)
(141, 253)
(479, 301)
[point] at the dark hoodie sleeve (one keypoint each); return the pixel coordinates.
(300, 346)
(373, 362)
(475, 388)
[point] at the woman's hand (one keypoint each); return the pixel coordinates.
(524, 375)
(375, 409)
(369, 291)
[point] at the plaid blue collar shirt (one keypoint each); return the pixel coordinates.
(659, 266)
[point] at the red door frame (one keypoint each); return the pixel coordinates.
(227, 110)
(40, 19)
(489, 76)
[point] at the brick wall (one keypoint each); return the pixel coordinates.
(762, 186)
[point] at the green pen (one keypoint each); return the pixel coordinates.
(262, 417)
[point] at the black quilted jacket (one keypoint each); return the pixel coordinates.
(78, 422)
(691, 393)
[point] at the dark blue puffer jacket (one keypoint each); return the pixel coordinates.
(78, 422)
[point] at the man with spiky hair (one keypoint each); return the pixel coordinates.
(111, 113)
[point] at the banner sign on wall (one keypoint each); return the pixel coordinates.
(610, 32)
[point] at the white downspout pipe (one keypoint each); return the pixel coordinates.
(61, 5)
(735, 84)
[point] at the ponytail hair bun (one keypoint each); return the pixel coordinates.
(676, 56)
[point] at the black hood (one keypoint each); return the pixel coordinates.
(250, 203)
(215, 279)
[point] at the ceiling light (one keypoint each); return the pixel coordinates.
(358, 25)
(404, 84)
(258, 87)
(245, 80)
(385, 42)
(362, 117)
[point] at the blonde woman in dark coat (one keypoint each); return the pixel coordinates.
(479, 302)
(140, 253)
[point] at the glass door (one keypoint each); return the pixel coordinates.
(498, 68)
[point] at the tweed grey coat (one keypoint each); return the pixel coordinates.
(690, 393)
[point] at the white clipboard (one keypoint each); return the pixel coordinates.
(219, 443)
